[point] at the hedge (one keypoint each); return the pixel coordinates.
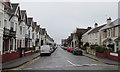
(100, 49)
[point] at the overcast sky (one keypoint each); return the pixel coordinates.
(62, 18)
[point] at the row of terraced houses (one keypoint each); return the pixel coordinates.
(107, 35)
(20, 35)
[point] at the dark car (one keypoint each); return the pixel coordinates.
(65, 48)
(77, 51)
(72, 49)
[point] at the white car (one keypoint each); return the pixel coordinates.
(45, 49)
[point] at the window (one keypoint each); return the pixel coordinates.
(96, 35)
(16, 27)
(0, 20)
(0, 42)
(11, 44)
(20, 29)
(23, 43)
(12, 25)
(29, 33)
(113, 32)
(0, 23)
(5, 23)
(108, 33)
(33, 35)
(23, 30)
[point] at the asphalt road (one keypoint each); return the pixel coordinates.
(63, 60)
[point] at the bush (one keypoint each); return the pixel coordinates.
(86, 45)
(100, 49)
(26, 50)
(83, 48)
(93, 46)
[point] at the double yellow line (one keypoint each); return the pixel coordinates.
(22, 66)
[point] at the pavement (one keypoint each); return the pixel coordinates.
(103, 60)
(18, 62)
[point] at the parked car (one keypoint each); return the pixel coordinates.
(77, 51)
(65, 48)
(46, 50)
(71, 50)
(68, 49)
(52, 49)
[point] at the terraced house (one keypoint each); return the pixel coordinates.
(30, 22)
(1, 24)
(34, 26)
(37, 40)
(23, 29)
(19, 34)
(15, 19)
(110, 34)
(94, 37)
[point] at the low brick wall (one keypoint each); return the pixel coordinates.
(113, 57)
(0, 58)
(10, 56)
(102, 55)
(28, 53)
(119, 56)
(106, 54)
(37, 50)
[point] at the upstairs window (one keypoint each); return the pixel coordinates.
(23, 30)
(0, 20)
(20, 29)
(12, 25)
(0, 23)
(16, 27)
(33, 35)
(5, 23)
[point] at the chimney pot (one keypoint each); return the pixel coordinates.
(96, 25)
(109, 20)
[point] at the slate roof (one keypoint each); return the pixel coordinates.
(14, 7)
(117, 39)
(48, 37)
(7, 4)
(112, 24)
(82, 30)
(88, 31)
(96, 29)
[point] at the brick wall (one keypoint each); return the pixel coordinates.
(106, 54)
(10, 56)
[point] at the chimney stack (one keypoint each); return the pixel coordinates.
(89, 28)
(109, 20)
(96, 25)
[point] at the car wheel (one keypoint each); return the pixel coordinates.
(41, 54)
(50, 54)
(74, 53)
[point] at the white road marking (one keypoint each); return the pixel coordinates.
(71, 63)
(59, 66)
(28, 68)
(82, 64)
